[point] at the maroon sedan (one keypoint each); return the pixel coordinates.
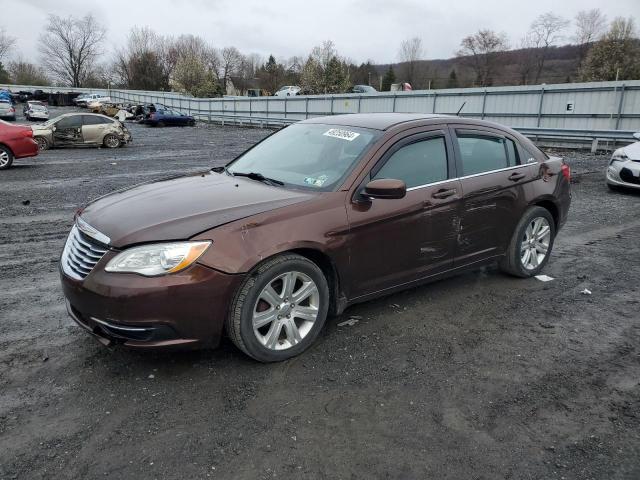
(16, 141)
(318, 216)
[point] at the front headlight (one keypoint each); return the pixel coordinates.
(619, 156)
(157, 259)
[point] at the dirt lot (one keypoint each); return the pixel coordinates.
(482, 376)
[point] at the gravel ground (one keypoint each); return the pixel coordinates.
(481, 376)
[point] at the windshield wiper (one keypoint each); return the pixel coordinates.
(257, 176)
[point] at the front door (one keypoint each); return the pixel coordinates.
(393, 242)
(492, 179)
(68, 131)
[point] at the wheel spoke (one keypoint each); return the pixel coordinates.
(307, 289)
(542, 248)
(537, 223)
(526, 257)
(534, 257)
(288, 282)
(293, 334)
(260, 319)
(543, 232)
(270, 296)
(271, 339)
(306, 313)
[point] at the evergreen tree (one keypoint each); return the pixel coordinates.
(453, 79)
(388, 79)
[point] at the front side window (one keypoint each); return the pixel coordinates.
(313, 156)
(69, 122)
(93, 120)
(418, 163)
(481, 153)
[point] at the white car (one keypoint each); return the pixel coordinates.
(287, 91)
(84, 100)
(624, 166)
(34, 110)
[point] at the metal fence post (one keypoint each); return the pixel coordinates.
(359, 100)
(484, 102)
(306, 107)
(266, 101)
(540, 107)
(393, 107)
(620, 107)
(250, 108)
(435, 97)
(331, 105)
(210, 105)
(285, 107)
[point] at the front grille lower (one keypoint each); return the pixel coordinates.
(80, 254)
(627, 176)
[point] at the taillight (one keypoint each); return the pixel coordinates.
(12, 109)
(566, 171)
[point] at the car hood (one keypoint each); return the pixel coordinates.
(40, 128)
(633, 151)
(179, 208)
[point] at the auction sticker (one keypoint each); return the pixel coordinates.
(343, 134)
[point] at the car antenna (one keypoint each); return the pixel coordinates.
(460, 109)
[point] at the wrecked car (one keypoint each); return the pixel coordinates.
(624, 167)
(16, 141)
(322, 214)
(157, 115)
(35, 110)
(76, 129)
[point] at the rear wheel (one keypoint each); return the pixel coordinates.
(531, 244)
(6, 157)
(111, 141)
(280, 309)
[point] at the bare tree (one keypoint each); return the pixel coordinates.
(410, 54)
(545, 32)
(25, 73)
(481, 50)
(6, 43)
(230, 61)
(70, 47)
(590, 25)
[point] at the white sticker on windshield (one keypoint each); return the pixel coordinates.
(343, 134)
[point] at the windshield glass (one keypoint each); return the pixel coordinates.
(317, 157)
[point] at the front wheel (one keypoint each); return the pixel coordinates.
(111, 141)
(6, 158)
(280, 309)
(531, 244)
(42, 142)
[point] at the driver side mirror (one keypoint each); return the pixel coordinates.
(385, 188)
(636, 135)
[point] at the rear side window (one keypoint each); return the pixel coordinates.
(481, 153)
(418, 163)
(512, 151)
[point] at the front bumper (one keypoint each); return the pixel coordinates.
(624, 174)
(187, 309)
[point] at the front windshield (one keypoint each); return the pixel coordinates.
(313, 156)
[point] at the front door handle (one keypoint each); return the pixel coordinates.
(441, 194)
(515, 176)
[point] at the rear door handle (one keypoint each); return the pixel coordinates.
(515, 176)
(440, 194)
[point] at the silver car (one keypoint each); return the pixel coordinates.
(75, 129)
(624, 166)
(7, 110)
(34, 110)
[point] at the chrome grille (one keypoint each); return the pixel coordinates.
(80, 255)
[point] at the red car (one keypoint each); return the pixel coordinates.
(16, 141)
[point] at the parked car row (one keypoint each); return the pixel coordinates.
(292, 90)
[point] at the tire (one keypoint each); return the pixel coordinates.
(161, 124)
(111, 141)
(43, 143)
(274, 340)
(516, 260)
(615, 188)
(192, 123)
(6, 158)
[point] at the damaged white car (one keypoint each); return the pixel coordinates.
(624, 166)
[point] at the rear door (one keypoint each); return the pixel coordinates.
(492, 178)
(68, 131)
(398, 241)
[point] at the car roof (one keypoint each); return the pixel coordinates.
(376, 121)
(83, 113)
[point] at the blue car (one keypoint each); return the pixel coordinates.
(159, 115)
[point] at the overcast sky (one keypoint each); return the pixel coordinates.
(361, 29)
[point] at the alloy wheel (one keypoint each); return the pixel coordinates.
(112, 141)
(4, 158)
(42, 143)
(286, 310)
(535, 244)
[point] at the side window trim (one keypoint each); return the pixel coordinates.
(456, 131)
